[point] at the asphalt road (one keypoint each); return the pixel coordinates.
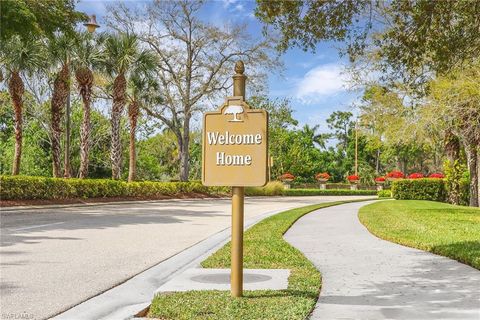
(54, 258)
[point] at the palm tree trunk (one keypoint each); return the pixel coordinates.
(16, 89)
(84, 78)
(119, 88)
(59, 99)
(133, 116)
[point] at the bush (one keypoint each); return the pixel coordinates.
(384, 193)
(419, 189)
(328, 192)
(25, 187)
(464, 192)
(273, 188)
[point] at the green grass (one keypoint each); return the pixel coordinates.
(264, 248)
(444, 229)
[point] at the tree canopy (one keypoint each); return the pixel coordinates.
(32, 18)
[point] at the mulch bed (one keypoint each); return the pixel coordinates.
(37, 202)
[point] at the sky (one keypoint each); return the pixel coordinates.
(315, 83)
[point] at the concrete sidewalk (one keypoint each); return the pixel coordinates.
(364, 277)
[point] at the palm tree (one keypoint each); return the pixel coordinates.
(59, 49)
(123, 57)
(87, 57)
(142, 90)
(19, 57)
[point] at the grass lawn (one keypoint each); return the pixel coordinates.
(444, 229)
(264, 247)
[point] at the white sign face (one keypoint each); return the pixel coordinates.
(235, 144)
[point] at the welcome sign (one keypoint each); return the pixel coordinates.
(235, 145)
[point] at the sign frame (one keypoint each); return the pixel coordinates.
(243, 181)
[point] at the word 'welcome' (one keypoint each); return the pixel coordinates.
(223, 159)
(233, 139)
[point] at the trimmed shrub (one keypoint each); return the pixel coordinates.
(419, 189)
(25, 187)
(273, 188)
(384, 194)
(328, 192)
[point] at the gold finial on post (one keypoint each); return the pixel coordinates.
(239, 79)
(239, 67)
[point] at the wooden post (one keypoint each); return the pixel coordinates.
(238, 197)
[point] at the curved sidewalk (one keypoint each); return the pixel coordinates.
(364, 277)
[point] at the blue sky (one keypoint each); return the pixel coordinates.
(314, 82)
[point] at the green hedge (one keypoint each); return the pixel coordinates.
(25, 187)
(384, 193)
(276, 188)
(328, 192)
(419, 189)
(273, 188)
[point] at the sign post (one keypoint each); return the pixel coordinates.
(235, 153)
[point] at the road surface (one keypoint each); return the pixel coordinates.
(54, 258)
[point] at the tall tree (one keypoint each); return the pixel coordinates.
(87, 56)
(455, 99)
(35, 19)
(59, 49)
(142, 91)
(195, 61)
(410, 42)
(341, 124)
(124, 56)
(19, 58)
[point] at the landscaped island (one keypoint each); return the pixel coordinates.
(264, 248)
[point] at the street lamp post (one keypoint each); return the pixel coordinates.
(356, 148)
(91, 26)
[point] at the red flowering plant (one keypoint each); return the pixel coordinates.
(353, 178)
(322, 176)
(287, 177)
(380, 180)
(394, 175)
(436, 176)
(415, 175)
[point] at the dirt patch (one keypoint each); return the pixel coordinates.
(37, 202)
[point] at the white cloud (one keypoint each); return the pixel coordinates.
(239, 7)
(320, 82)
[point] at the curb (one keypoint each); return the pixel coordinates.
(89, 204)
